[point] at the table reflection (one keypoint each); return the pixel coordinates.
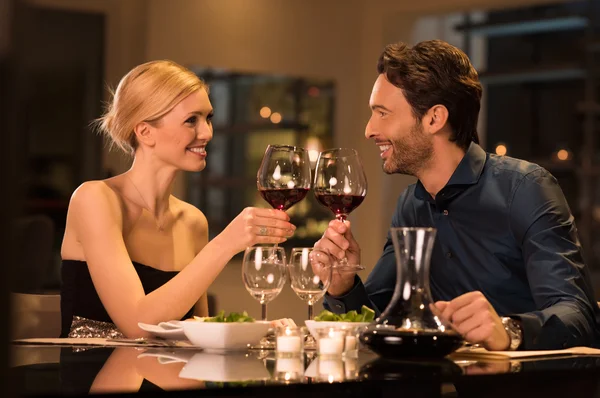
(72, 370)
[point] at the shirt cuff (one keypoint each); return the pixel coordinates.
(552, 335)
(353, 300)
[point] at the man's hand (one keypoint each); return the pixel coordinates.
(338, 241)
(475, 319)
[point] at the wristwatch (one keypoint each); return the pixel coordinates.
(515, 332)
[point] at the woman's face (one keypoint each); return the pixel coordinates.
(182, 134)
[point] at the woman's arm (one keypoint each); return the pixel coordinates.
(98, 221)
(118, 374)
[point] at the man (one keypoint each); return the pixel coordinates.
(507, 267)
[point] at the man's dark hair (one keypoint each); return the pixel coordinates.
(436, 73)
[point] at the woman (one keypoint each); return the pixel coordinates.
(132, 252)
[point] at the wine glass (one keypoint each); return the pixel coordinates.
(310, 274)
(264, 273)
(283, 178)
(341, 186)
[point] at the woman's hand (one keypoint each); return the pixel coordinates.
(257, 226)
(283, 322)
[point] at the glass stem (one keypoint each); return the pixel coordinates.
(342, 218)
(264, 311)
(310, 312)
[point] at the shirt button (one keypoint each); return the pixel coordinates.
(449, 254)
(338, 306)
(445, 212)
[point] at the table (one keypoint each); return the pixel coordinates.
(78, 370)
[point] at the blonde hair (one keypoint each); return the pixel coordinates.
(145, 94)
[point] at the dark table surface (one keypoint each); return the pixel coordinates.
(67, 370)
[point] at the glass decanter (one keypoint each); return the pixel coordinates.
(410, 325)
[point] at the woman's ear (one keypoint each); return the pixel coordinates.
(435, 119)
(144, 134)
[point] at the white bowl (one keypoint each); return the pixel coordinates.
(313, 326)
(224, 368)
(225, 335)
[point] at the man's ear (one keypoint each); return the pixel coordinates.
(144, 134)
(435, 119)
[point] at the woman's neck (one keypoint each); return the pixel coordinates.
(153, 183)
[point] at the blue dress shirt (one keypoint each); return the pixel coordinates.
(503, 228)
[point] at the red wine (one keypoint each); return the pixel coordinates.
(339, 204)
(283, 199)
(403, 344)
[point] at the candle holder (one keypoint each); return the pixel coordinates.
(352, 342)
(289, 369)
(290, 341)
(331, 341)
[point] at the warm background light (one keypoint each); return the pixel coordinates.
(314, 147)
(265, 112)
(314, 91)
(276, 117)
(501, 150)
(563, 154)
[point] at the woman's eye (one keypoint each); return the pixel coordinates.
(192, 120)
(209, 118)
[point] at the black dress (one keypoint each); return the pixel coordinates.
(78, 296)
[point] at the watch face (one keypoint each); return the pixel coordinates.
(513, 329)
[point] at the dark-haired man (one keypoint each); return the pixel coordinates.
(507, 267)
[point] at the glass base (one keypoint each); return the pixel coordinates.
(310, 343)
(268, 342)
(348, 268)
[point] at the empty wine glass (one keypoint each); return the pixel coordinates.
(310, 274)
(341, 186)
(264, 273)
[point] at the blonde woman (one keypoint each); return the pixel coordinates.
(132, 252)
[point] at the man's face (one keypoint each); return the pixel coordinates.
(404, 145)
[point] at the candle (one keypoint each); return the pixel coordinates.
(289, 344)
(331, 345)
(350, 344)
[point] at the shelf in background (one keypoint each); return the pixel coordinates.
(556, 165)
(253, 127)
(589, 107)
(498, 29)
(594, 46)
(534, 75)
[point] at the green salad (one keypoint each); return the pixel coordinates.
(366, 315)
(232, 317)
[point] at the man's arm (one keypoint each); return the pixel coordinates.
(377, 291)
(542, 223)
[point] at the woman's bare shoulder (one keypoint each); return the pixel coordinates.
(189, 213)
(99, 195)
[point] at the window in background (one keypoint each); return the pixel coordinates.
(542, 89)
(251, 112)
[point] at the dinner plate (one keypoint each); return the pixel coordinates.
(172, 330)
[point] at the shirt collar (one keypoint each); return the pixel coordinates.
(467, 172)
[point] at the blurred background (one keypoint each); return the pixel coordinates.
(288, 72)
